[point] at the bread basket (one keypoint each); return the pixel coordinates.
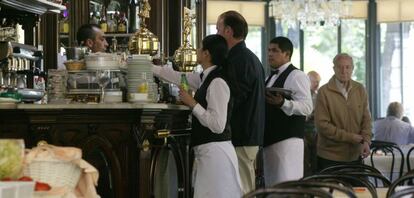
(75, 65)
(51, 164)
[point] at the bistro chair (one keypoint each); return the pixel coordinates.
(346, 180)
(288, 193)
(388, 148)
(403, 193)
(400, 182)
(318, 184)
(350, 168)
(370, 177)
(408, 158)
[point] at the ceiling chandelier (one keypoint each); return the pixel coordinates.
(309, 13)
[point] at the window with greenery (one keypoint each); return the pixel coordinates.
(253, 40)
(397, 83)
(408, 69)
(321, 45)
(353, 43)
(390, 73)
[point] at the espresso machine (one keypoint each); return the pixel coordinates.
(21, 70)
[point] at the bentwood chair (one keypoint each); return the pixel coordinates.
(350, 168)
(288, 193)
(388, 148)
(408, 158)
(400, 182)
(318, 184)
(345, 180)
(403, 193)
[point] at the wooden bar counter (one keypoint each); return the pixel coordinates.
(123, 141)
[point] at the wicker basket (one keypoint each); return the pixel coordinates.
(55, 173)
(75, 65)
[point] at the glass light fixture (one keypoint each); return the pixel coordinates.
(310, 13)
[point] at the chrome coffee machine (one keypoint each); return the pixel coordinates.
(21, 69)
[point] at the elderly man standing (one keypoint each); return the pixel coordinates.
(392, 128)
(342, 118)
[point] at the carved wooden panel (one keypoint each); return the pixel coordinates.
(119, 143)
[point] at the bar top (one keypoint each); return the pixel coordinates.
(95, 106)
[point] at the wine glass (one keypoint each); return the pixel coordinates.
(102, 78)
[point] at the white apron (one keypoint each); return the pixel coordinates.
(283, 161)
(215, 171)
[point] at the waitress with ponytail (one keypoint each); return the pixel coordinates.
(215, 170)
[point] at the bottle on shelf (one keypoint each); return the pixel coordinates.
(132, 11)
(112, 25)
(103, 23)
(94, 19)
(123, 23)
(64, 23)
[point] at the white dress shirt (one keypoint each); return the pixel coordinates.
(214, 116)
(298, 82)
(392, 129)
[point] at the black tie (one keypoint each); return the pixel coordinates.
(272, 73)
(201, 75)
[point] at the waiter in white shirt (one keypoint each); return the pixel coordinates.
(215, 170)
(285, 116)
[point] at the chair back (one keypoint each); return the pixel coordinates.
(369, 176)
(403, 193)
(346, 180)
(350, 168)
(408, 158)
(317, 184)
(288, 192)
(400, 182)
(388, 148)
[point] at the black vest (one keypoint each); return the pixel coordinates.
(278, 125)
(201, 134)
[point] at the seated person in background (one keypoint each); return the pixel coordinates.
(91, 36)
(392, 128)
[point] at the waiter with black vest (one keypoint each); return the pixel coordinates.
(285, 116)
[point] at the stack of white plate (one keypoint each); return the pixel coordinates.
(139, 73)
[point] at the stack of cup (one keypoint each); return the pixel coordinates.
(56, 86)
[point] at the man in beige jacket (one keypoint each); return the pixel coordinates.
(342, 118)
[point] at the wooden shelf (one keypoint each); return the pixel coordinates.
(34, 6)
(106, 35)
(119, 34)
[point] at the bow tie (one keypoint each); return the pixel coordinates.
(272, 73)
